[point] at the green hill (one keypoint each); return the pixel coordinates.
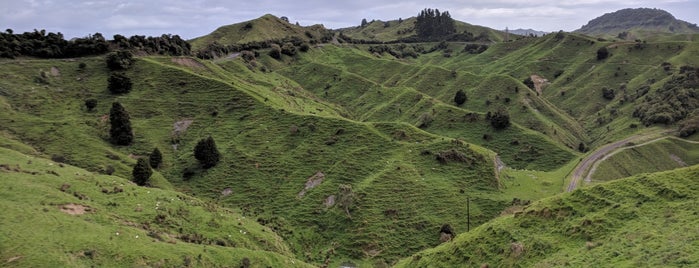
(637, 23)
(260, 30)
(393, 30)
(646, 220)
(59, 215)
(345, 151)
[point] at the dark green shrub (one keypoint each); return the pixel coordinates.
(275, 51)
(120, 132)
(119, 83)
(155, 158)
(602, 53)
(460, 97)
(141, 172)
(90, 104)
(119, 60)
(206, 152)
(608, 93)
(500, 119)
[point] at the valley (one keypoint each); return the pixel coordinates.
(361, 145)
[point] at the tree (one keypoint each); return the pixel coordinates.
(90, 104)
(433, 25)
(155, 158)
(120, 132)
(119, 60)
(364, 23)
(119, 83)
(602, 53)
(141, 172)
(276, 51)
(205, 151)
(460, 97)
(500, 119)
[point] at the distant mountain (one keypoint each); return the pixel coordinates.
(638, 19)
(528, 32)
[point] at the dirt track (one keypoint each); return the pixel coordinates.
(598, 154)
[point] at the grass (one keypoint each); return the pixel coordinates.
(646, 220)
(376, 123)
(660, 155)
(134, 226)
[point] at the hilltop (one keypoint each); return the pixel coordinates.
(625, 21)
(261, 30)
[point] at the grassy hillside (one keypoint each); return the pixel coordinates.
(387, 31)
(646, 220)
(59, 215)
(660, 155)
(274, 136)
(265, 28)
(631, 23)
(344, 153)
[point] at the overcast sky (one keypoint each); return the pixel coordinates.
(193, 18)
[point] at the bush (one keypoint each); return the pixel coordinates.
(120, 132)
(119, 60)
(275, 52)
(206, 152)
(602, 53)
(289, 49)
(141, 172)
(500, 119)
(460, 97)
(119, 83)
(529, 82)
(155, 158)
(90, 104)
(608, 93)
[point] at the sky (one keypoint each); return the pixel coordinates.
(194, 18)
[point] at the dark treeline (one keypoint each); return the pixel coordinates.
(53, 45)
(215, 50)
(433, 25)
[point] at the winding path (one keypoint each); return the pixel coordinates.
(590, 160)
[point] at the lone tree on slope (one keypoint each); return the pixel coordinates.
(460, 97)
(155, 158)
(120, 132)
(141, 172)
(205, 151)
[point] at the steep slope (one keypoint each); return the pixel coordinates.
(276, 140)
(646, 220)
(59, 215)
(260, 30)
(637, 20)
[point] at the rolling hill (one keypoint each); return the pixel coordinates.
(349, 151)
(631, 22)
(645, 220)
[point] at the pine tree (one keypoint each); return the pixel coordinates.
(141, 172)
(156, 158)
(120, 132)
(205, 151)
